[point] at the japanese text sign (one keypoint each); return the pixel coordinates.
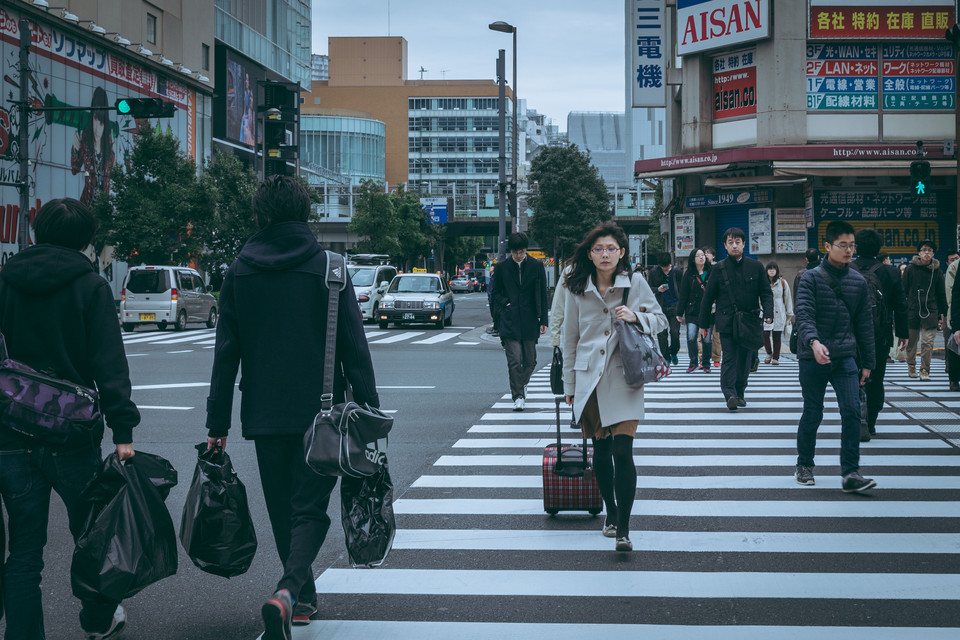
(880, 19)
(735, 84)
(648, 41)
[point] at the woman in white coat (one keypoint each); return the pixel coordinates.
(782, 313)
(607, 409)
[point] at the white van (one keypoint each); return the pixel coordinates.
(166, 295)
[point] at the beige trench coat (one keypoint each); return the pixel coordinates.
(591, 349)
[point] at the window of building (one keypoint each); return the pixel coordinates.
(205, 57)
(452, 165)
(486, 165)
(486, 124)
(419, 145)
(488, 143)
(418, 104)
(485, 104)
(418, 124)
(151, 28)
(452, 144)
(451, 124)
(451, 103)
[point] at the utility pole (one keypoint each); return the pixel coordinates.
(23, 235)
(502, 200)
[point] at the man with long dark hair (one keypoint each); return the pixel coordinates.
(740, 288)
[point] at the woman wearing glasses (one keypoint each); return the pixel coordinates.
(608, 410)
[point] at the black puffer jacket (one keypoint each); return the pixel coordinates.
(691, 293)
(924, 286)
(822, 315)
(273, 310)
(57, 315)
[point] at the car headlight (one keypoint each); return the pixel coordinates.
(431, 305)
(386, 303)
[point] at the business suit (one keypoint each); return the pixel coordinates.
(520, 295)
(749, 291)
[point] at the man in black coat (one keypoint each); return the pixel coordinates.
(893, 304)
(273, 321)
(740, 287)
(836, 345)
(664, 281)
(520, 295)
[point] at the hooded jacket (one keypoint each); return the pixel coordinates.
(926, 294)
(891, 285)
(57, 315)
(273, 322)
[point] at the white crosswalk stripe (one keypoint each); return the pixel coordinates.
(726, 544)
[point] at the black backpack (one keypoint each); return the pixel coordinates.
(882, 325)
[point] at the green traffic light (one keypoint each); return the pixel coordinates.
(921, 189)
(123, 107)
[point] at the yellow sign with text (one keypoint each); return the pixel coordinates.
(899, 236)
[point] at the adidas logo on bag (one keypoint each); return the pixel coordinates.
(375, 456)
(337, 272)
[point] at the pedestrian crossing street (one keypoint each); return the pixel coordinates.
(206, 339)
(726, 544)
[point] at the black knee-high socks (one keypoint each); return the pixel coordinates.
(617, 479)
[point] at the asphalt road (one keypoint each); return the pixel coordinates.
(437, 390)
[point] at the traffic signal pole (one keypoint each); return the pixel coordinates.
(23, 235)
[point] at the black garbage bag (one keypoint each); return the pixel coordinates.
(216, 530)
(128, 541)
(366, 511)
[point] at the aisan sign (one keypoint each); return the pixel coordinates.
(703, 25)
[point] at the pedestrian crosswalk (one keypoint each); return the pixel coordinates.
(726, 544)
(207, 338)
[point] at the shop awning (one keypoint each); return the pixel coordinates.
(751, 181)
(787, 168)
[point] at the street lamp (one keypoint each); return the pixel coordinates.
(505, 27)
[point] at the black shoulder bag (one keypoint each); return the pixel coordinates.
(342, 440)
(747, 326)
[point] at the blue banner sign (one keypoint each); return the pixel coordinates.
(435, 209)
(730, 198)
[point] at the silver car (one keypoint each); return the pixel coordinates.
(417, 297)
(164, 295)
(461, 284)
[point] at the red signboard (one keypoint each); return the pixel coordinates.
(734, 85)
(862, 21)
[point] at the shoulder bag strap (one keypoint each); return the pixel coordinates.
(334, 278)
(726, 281)
(836, 290)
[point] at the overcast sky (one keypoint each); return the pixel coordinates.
(570, 58)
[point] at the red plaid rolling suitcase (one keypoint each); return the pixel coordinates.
(568, 483)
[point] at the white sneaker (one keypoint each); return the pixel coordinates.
(518, 404)
(116, 626)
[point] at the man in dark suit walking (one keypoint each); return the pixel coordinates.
(740, 287)
(520, 295)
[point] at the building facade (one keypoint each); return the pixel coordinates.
(320, 67)
(810, 113)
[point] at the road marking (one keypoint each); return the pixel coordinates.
(176, 385)
(717, 460)
(467, 344)
(214, 341)
(464, 328)
(399, 337)
(703, 443)
(165, 338)
(406, 387)
(697, 483)
(134, 355)
(443, 337)
(909, 429)
(157, 408)
(679, 541)
(644, 584)
(197, 336)
(744, 415)
(183, 351)
(374, 334)
(697, 508)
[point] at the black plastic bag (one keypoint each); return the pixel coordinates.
(128, 541)
(216, 530)
(366, 511)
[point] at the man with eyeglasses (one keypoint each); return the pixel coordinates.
(836, 343)
(923, 282)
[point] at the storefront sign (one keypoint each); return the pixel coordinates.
(791, 230)
(729, 198)
(648, 41)
(918, 76)
(735, 84)
(879, 20)
(684, 233)
(842, 76)
(760, 231)
(703, 25)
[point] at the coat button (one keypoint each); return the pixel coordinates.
(601, 351)
(606, 333)
(605, 310)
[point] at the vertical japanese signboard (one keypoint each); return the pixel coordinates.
(880, 19)
(735, 84)
(760, 231)
(918, 76)
(684, 233)
(648, 41)
(791, 230)
(842, 76)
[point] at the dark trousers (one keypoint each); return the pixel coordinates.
(843, 375)
(873, 390)
(772, 349)
(521, 361)
(953, 366)
(735, 367)
(26, 478)
(297, 500)
(670, 348)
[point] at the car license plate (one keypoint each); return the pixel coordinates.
(147, 316)
(408, 316)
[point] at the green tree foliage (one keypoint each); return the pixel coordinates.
(160, 211)
(571, 199)
(656, 242)
(233, 221)
(460, 250)
(392, 223)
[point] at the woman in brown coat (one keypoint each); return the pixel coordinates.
(608, 410)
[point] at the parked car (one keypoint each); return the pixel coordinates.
(461, 284)
(163, 295)
(417, 297)
(369, 283)
(479, 278)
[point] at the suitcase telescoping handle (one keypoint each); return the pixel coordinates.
(569, 468)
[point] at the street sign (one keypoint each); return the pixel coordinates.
(435, 209)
